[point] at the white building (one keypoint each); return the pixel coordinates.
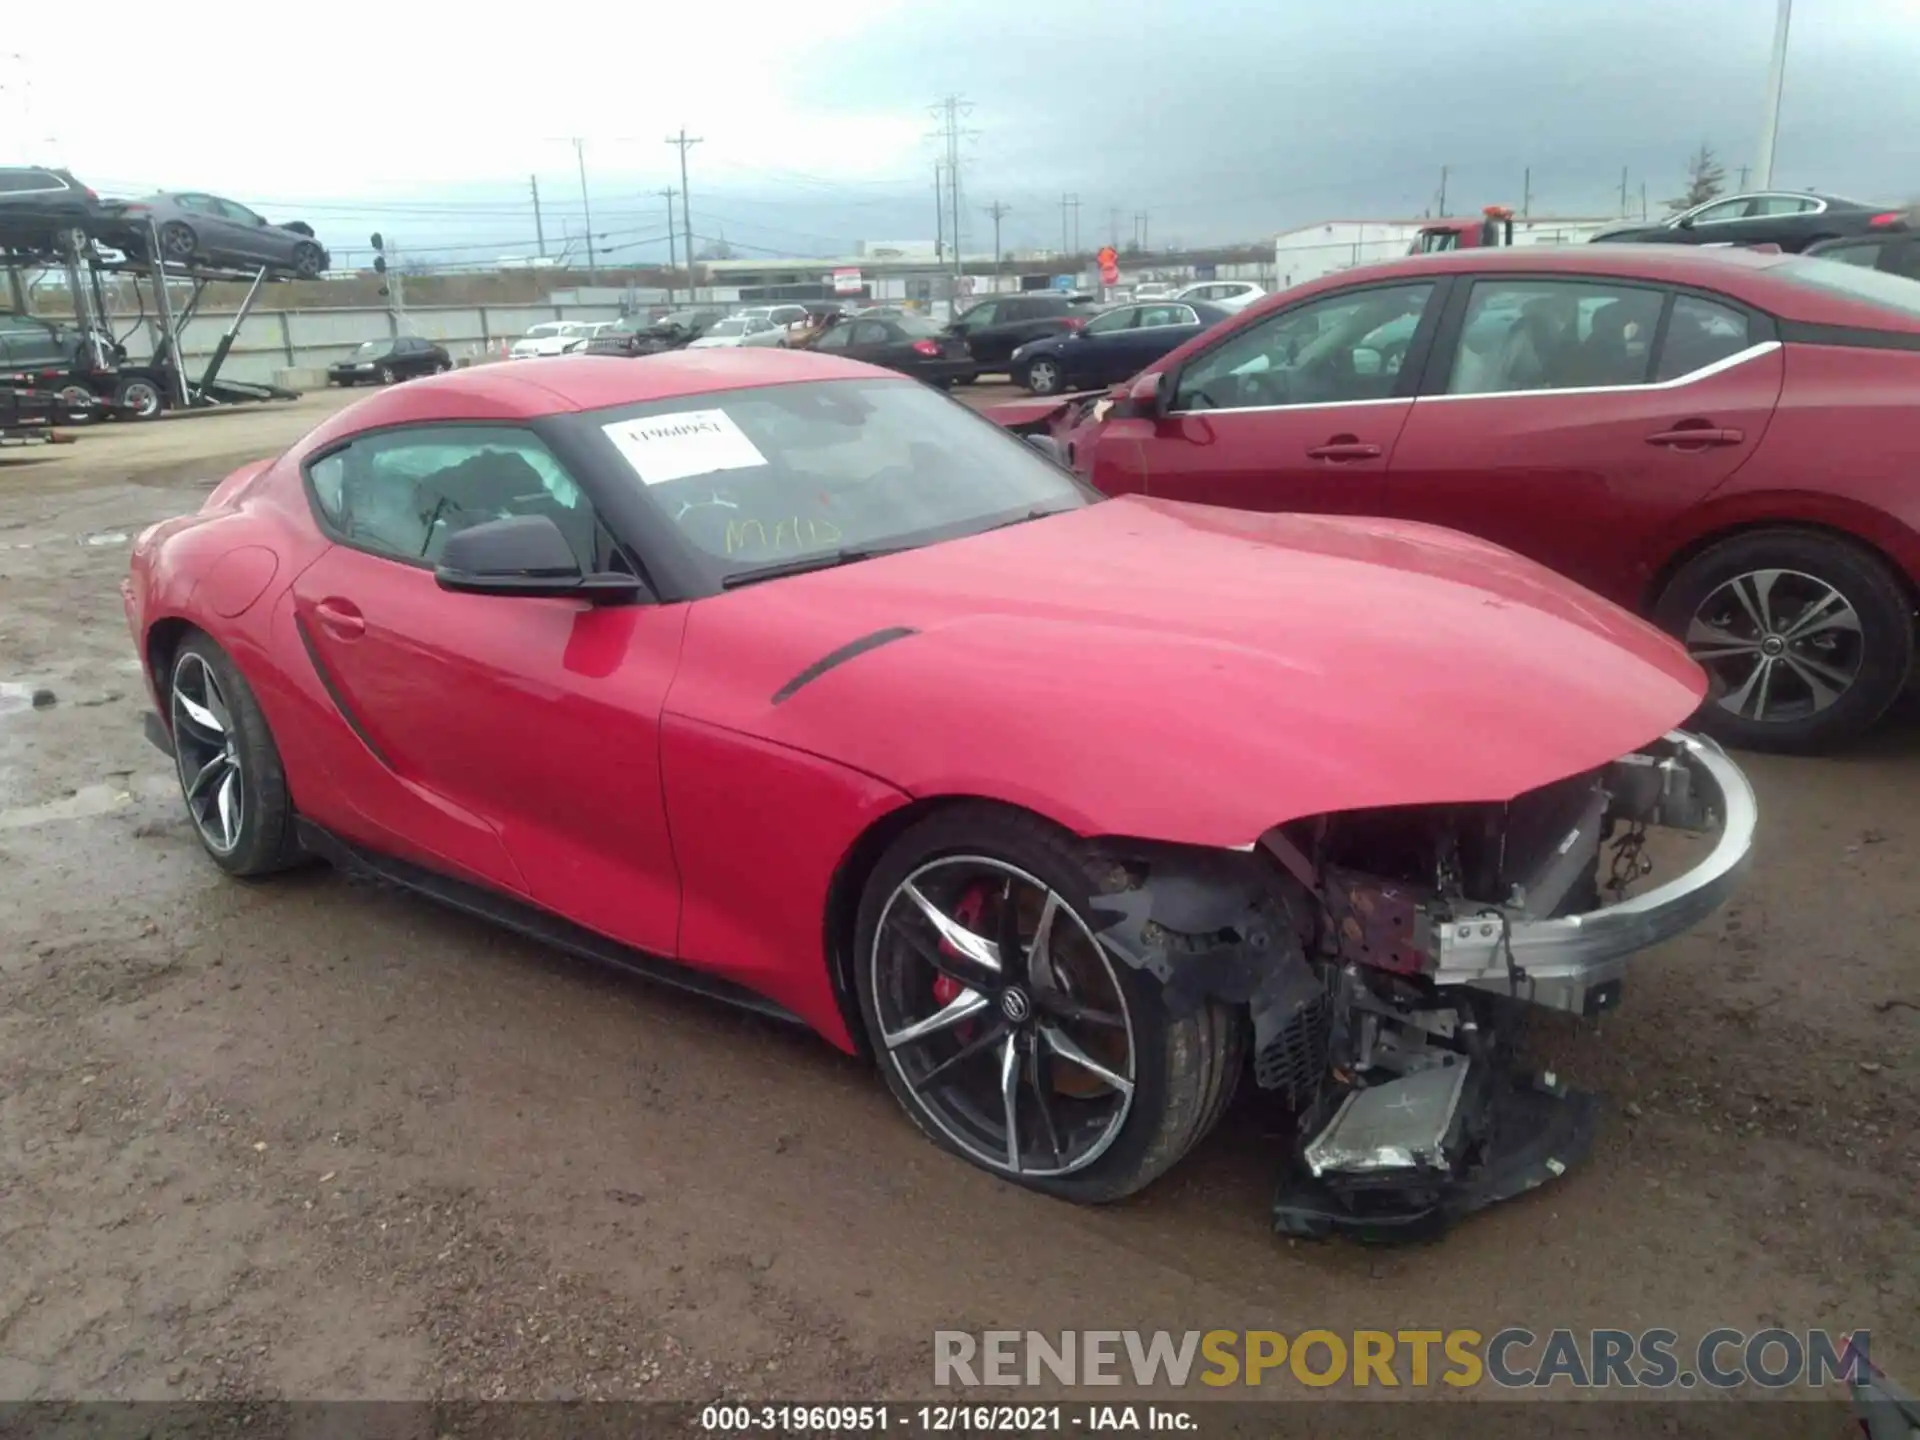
(1332, 245)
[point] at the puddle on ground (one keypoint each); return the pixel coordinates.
(88, 800)
(15, 697)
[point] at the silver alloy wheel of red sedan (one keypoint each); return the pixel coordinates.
(1778, 644)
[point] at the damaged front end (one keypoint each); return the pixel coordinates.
(1388, 959)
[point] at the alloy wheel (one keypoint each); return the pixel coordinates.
(206, 751)
(177, 241)
(1002, 1014)
(1778, 645)
(1043, 377)
(142, 399)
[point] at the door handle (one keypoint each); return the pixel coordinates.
(340, 619)
(1343, 447)
(1683, 436)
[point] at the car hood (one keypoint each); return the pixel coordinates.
(1143, 667)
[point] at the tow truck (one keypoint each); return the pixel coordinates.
(1494, 227)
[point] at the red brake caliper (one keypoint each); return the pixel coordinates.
(945, 989)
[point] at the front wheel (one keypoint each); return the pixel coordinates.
(308, 261)
(1008, 1033)
(178, 242)
(1806, 638)
(1044, 377)
(229, 768)
(384, 375)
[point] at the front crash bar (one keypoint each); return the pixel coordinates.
(1577, 962)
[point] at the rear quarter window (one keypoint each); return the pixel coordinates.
(1895, 296)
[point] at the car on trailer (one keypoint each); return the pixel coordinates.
(193, 228)
(770, 673)
(1791, 219)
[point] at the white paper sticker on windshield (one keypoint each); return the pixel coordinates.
(689, 442)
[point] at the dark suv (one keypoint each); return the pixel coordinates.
(36, 202)
(1001, 324)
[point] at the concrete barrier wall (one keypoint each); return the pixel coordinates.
(313, 339)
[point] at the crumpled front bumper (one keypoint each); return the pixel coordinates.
(1577, 962)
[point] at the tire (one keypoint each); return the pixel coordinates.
(75, 399)
(1183, 1069)
(249, 829)
(384, 375)
(1044, 376)
(308, 261)
(178, 242)
(140, 397)
(1828, 686)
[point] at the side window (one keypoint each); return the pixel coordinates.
(871, 332)
(1863, 252)
(1342, 348)
(985, 313)
(1152, 315)
(1700, 333)
(1783, 205)
(1725, 210)
(1113, 320)
(1521, 335)
(403, 492)
(834, 339)
(1905, 260)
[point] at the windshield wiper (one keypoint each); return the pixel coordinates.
(1038, 512)
(802, 564)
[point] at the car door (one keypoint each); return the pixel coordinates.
(252, 236)
(1299, 410)
(873, 341)
(220, 239)
(1729, 222)
(1095, 354)
(510, 740)
(1573, 420)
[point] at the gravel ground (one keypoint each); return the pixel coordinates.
(313, 1139)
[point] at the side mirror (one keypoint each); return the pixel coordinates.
(1147, 394)
(1685, 222)
(1047, 446)
(524, 555)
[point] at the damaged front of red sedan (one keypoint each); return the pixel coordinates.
(1076, 815)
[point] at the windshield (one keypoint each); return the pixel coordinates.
(780, 473)
(369, 348)
(916, 327)
(1894, 293)
(735, 326)
(541, 332)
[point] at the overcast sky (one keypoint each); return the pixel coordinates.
(1221, 121)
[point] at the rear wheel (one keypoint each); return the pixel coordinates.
(308, 261)
(384, 375)
(138, 397)
(177, 241)
(1806, 638)
(1008, 1032)
(229, 768)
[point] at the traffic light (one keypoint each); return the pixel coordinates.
(380, 261)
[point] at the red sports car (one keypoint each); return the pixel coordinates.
(1723, 440)
(795, 681)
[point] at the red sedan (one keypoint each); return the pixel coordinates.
(1726, 441)
(794, 681)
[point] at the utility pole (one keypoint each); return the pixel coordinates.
(940, 211)
(1113, 226)
(1643, 199)
(1445, 170)
(685, 142)
(1776, 82)
(950, 110)
(999, 212)
(539, 230)
(669, 192)
(1526, 193)
(1744, 172)
(1623, 190)
(580, 155)
(1140, 230)
(1070, 240)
